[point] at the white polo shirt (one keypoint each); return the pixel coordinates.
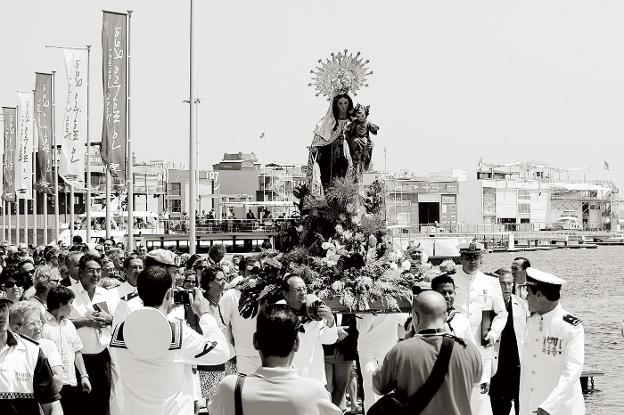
(94, 340)
(63, 333)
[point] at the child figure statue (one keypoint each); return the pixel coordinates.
(360, 144)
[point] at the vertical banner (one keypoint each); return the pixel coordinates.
(25, 143)
(74, 142)
(8, 185)
(114, 78)
(43, 123)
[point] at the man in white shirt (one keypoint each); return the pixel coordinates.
(91, 313)
(476, 295)
(377, 334)
(275, 388)
(163, 386)
(132, 267)
(318, 328)
(71, 261)
(456, 321)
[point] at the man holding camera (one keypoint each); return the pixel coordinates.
(318, 328)
(164, 385)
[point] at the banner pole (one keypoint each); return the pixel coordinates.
(10, 223)
(57, 218)
(3, 220)
(16, 156)
(71, 213)
(34, 190)
(88, 182)
(108, 199)
(130, 169)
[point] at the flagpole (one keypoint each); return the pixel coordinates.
(88, 183)
(3, 217)
(34, 181)
(45, 217)
(193, 141)
(108, 211)
(57, 218)
(10, 222)
(16, 152)
(130, 169)
(71, 213)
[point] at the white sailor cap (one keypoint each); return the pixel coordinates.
(472, 247)
(164, 257)
(535, 276)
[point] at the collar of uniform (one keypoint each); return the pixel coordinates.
(81, 290)
(13, 340)
(552, 312)
(49, 318)
(276, 372)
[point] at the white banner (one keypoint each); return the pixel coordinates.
(24, 145)
(74, 144)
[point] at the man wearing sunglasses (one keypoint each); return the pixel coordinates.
(480, 297)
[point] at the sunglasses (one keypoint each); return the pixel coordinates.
(11, 284)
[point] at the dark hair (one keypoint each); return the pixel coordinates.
(285, 286)
(501, 271)
(59, 296)
(77, 239)
(82, 264)
(132, 256)
(191, 261)
(525, 262)
(208, 275)
(550, 291)
(25, 261)
(276, 330)
(441, 279)
(335, 107)
(217, 252)
(152, 285)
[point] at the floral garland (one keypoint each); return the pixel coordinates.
(341, 253)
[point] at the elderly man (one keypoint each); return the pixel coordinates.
(26, 379)
(553, 352)
(505, 384)
(479, 296)
(71, 261)
(407, 365)
(25, 320)
(92, 315)
(518, 270)
(318, 328)
(275, 388)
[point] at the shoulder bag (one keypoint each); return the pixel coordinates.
(392, 404)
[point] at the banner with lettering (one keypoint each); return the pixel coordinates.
(114, 79)
(74, 144)
(25, 143)
(43, 124)
(8, 185)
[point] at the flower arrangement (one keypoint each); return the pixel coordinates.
(341, 253)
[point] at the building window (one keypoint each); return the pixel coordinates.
(175, 189)
(524, 195)
(524, 208)
(175, 206)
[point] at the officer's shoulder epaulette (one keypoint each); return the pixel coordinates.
(569, 318)
(29, 339)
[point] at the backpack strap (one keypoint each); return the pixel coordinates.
(238, 392)
(417, 403)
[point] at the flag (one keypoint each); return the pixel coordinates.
(114, 79)
(8, 165)
(43, 124)
(25, 143)
(606, 166)
(74, 144)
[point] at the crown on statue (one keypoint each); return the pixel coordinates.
(343, 73)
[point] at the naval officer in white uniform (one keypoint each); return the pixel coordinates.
(478, 295)
(553, 352)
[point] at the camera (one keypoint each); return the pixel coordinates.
(312, 310)
(181, 296)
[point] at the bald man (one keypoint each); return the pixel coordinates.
(408, 365)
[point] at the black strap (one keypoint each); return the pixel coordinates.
(423, 396)
(238, 392)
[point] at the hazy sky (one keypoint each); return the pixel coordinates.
(454, 81)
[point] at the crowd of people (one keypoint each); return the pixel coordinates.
(81, 331)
